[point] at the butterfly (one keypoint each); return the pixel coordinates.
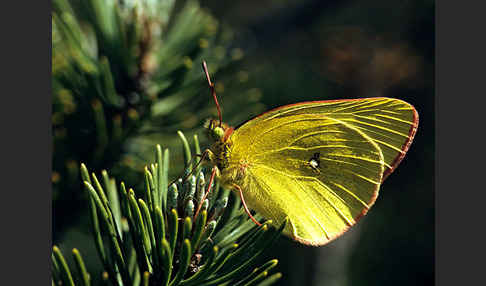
(318, 164)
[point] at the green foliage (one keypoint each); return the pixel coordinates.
(126, 74)
(176, 235)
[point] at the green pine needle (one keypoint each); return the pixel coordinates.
(173, 247)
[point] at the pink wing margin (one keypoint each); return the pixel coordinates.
(405, 146)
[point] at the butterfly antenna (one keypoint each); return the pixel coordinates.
(213, 173)
(244, 205)
(213, 91)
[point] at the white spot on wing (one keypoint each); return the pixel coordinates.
(314, 164)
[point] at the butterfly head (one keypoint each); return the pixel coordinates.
(218, 132)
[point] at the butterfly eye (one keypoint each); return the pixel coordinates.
(218, 132)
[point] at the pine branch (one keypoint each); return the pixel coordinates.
(156, 238)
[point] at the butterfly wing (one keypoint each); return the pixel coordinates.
(322, 200)
(389, 122)
(357, 142)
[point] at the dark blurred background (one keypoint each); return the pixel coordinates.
(315, 50)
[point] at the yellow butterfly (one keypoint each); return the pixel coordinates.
(320, 163)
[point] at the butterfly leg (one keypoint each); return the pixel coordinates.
(244, 205)
(203, 157)
(211, 180)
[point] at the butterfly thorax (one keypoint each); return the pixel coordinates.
(232, 169)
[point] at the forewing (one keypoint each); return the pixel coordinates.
(389, 122)
(321, 202)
